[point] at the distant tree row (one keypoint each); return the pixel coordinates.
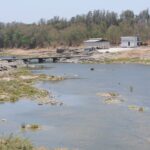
(60, 31)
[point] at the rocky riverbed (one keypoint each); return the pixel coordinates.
(18, 82)
(6, 66)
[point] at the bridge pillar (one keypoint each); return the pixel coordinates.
(41, 60)
(55, 60)
(26, 61)
(10, 60)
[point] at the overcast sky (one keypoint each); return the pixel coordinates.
(29, 11)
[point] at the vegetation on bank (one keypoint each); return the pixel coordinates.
(117, 60)
(128, 60)
(20, 83)
(59, 31)
(32, 127)
(15, 143)
(111, 98)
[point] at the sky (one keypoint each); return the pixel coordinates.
(29, 11)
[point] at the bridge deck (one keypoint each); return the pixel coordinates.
(40, 59)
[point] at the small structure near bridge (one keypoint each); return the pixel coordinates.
(96, 43)
(60, 50)
(130, 41)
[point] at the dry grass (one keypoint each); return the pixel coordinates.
(15, 143)
(30, 52)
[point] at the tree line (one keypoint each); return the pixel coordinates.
(62, 32)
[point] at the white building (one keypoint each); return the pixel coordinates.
(97, 43)
(130, 41)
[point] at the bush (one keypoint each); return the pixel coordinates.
(15, 143)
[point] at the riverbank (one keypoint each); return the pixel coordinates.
(17, 143)
(18, 82)
(8, 67)
(140, 55)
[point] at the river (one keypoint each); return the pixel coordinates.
(85, 122)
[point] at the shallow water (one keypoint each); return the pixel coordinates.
(84, 122)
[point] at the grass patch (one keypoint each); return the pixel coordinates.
(111, 98)
(117, 60)
(21, 85)
(15, 143)
(136, 108)
(128, 60)
(15, 89)
(32, 127)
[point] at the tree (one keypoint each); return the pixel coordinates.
(144, 16)
(1, 40)
(61, 31)
(127, 15)
(113, 34)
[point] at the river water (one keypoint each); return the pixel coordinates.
(85, 122)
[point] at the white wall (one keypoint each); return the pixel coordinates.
(129, 42)
(104, 44)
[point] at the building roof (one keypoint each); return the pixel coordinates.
(129, 37)
(93, 40)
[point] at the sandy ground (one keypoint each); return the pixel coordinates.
(116, 49)
(140, 52)
(30, 52)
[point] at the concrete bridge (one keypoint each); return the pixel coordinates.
(26, 60)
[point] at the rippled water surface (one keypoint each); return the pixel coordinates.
(85, 122)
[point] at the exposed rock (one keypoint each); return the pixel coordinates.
(3, 120)
(28, 77)
(2, 141)
(50, 99)
(113, 101)
(136, 108)
(6, 78)
(108, 94)
(9, 66)
(30, 127)
(92, 69)
(111, 98)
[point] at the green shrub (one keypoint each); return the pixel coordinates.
(15, 143)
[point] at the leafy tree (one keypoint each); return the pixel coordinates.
(113, 34)
(127, 15)
(71, 32)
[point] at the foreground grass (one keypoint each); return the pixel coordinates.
(19, 84)
(15, 143)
